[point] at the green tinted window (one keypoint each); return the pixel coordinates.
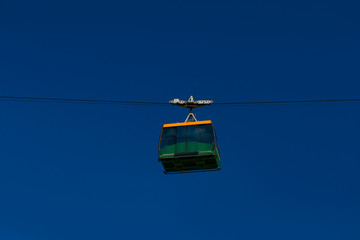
(206, 134)
(200, 133)
(192, 133)
(181, 134)
(168, 137)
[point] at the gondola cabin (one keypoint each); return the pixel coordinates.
(188, 147)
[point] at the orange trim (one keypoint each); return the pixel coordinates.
(186, 124)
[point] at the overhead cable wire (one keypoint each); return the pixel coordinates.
(103, 101)
(79, 100)
(292, 101)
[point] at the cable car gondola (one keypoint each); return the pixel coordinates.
(189, 146)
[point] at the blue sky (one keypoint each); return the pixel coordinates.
(90, 171)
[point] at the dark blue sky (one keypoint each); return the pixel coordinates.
(90, 171)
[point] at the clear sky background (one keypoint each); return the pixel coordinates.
(90, 171)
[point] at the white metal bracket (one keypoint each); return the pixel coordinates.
(191, 114)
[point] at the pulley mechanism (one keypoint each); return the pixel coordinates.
(191, 104)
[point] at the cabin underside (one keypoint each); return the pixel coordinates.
(190, 163)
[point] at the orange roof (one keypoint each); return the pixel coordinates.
(186, 124)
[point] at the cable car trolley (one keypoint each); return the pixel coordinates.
(190, 146)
